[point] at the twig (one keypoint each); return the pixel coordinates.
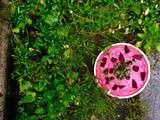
(83, 18)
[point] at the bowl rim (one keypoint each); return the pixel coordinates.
(139, 91)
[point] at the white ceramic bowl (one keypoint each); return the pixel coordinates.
(148, 76)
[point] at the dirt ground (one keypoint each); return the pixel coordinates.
(4, 31)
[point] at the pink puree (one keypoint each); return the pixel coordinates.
(128, 89)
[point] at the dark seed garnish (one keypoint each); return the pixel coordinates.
(103, 62)
(143, 75)
(121, 57)
(137, 56)
(114, 60)
(135, 68)
(111, 78)
(121, 86)
(107, 80)
(115, 87)
(133, 59)
(111, 70)
(127, 77)
(126, 49)
(120, 67)
(105, 71)
(104, 59)
(134, 83)
(129, 62)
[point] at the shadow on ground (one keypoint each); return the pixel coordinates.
(12, 89)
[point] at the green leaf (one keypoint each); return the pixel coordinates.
(27, 99)
(68, 53)
(148, 46)
(40, 111)
(72, 75)
(137, 8)
(51, 19)
(16, 30)
(53, 50)
(141, 35)
(60, 88)
(40, 86)
(24, 85)
(19, 27)
(49, 95)
(38, 43)
(158, 47)
(33, 117)
(29, 21)
(62, 32)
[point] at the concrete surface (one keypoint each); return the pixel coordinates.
(151, 93)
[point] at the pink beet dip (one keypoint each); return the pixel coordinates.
(122, 70)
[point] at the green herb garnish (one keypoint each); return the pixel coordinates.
(121, 70)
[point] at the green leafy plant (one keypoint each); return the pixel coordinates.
(55, 45)
(151, 37)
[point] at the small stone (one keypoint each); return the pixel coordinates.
(146, 12)
(71, 11)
